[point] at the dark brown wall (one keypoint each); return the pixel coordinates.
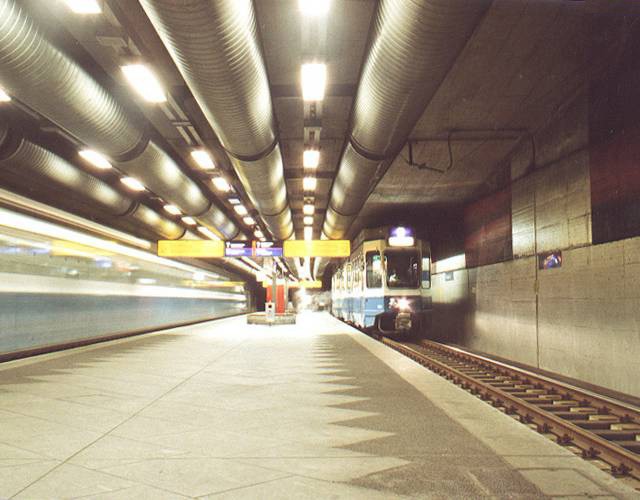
(487, 229)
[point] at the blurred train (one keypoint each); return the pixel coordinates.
(385, 285)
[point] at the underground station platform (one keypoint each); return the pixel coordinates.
(223, 409)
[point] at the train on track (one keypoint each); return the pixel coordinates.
(385, 285)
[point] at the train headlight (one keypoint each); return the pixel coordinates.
(402, 304)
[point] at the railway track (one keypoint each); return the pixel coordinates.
(599, 427)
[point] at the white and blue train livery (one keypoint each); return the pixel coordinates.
(385, 284)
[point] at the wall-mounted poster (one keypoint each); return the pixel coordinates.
(550, 260)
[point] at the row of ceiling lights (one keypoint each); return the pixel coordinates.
(143, 80)
(313, 78)
(146, 84)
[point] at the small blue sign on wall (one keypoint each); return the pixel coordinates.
(550, 260)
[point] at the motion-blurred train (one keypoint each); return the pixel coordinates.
(385, 285)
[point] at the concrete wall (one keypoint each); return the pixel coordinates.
(581, 320)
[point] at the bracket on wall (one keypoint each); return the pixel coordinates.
(475, 135)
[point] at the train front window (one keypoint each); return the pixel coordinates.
(403, 268)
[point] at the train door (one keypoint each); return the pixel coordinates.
(373, 292)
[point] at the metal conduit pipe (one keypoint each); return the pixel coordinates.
(414, 44)
(44, 78)
(164, 227)
(29, 161)
(214, 46)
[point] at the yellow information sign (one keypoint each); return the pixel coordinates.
(307, 284)
(295, 284)
(191, 248)
(317, 248)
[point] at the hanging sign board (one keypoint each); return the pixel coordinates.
(238, 249)
(191, 248)
(317, 248)
(267, 249)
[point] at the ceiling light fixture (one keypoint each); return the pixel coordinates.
(84, 6)
(234, 201)
(95, 158)
(133, 184)
(203, 159)
(308, 233)
(311, 158)
(258, 233)
(314, 79)
(314, 8)
(144, 81)
(189, 221)
(308, 209)
(249, 221)
(309, 183)
(308, 220)
(221, 184)
(240, 210)
(4, 97)
(172, 209)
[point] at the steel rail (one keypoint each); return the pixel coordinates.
(470, 372)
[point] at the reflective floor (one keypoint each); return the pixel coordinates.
(226, 410)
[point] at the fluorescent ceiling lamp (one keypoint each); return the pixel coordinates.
(144, 81)
(234, 201)
(308, 209)
(172, 209)
(240, 210)
(311, 158)
(203, 159)
(309, 183)
(208, 233)
(249, 221)
(308, 220)
(308, 233)
(221, 184)
(258, 233)
(189, 221)
(314, 8)
(4, 97)
(133, 184)
(95, 158)
(314, 79)
(84, 6)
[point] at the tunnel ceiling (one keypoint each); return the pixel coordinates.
(523, 62)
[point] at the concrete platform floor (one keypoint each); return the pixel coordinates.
(227, 410)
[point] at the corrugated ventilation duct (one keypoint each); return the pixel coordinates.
(45, 79)
(414, 44)
(32, 164)
(214, 46)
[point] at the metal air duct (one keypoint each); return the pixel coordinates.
(414, 44)
(214, 46)
(37, 168)
(45, 79)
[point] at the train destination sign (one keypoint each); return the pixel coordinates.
(267, 249)
(238, 249)
(317, 248)
(191, 248)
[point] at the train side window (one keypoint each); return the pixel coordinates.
(374, 270)
(426, 272)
